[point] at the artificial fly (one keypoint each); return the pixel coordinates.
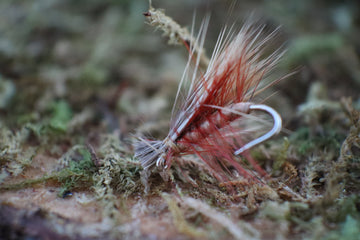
(207, 122)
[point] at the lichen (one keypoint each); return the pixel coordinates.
(14, 155)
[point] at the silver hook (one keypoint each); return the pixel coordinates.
(275, 129)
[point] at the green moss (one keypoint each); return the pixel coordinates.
(349, 207)
(306, 47)
(117, 177)
(82, 52)
(349, 230)
(282, 155)
(27, 183)
(14, 155)
(7, 91)
(305, 142)
(78, 173)
(61, 115)
(276, 211)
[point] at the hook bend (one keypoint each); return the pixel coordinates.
(275, 129)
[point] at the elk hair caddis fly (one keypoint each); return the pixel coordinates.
(205, 118)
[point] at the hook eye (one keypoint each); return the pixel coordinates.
(275, 129)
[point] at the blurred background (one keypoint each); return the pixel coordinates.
(100, 59)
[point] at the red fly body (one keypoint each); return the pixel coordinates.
(206, 122)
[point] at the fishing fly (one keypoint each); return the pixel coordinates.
(206, 120)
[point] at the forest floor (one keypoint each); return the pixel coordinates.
(80, 79)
